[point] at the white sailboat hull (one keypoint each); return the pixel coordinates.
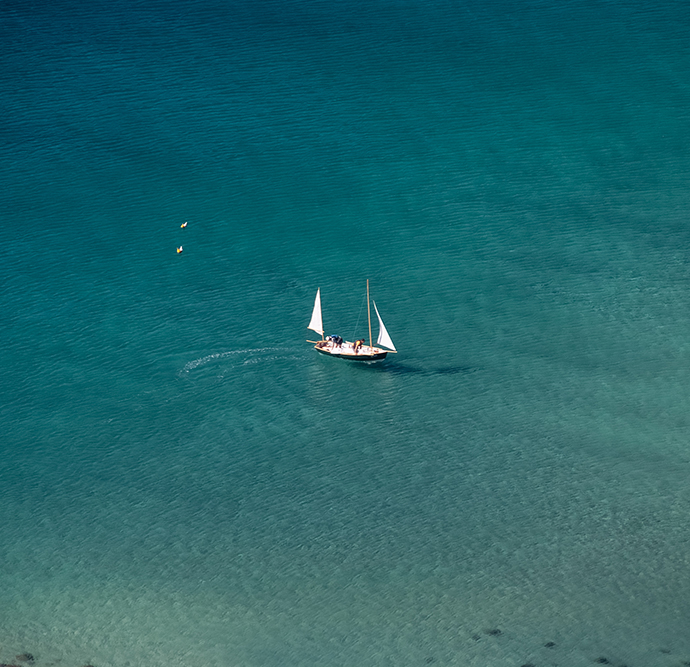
(347, 351)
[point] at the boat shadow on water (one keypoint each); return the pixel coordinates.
(393, 368)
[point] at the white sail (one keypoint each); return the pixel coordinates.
(316, 324)
(384, 339)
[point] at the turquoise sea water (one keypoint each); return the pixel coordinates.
(184, 481)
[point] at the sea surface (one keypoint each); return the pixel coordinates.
(185, 482)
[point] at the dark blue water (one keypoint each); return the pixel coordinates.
(184, 481)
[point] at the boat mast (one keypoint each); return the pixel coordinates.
(371, 342)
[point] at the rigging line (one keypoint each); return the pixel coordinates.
(358, 316)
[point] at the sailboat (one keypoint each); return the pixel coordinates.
(334, 346)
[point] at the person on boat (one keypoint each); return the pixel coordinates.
(336, 341)
(358, 345)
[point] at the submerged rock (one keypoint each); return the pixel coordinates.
(25, 657)
(494, 632)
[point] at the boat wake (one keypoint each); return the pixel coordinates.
(241, 357)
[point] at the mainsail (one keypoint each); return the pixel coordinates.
(316, 324)
(384, 339)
